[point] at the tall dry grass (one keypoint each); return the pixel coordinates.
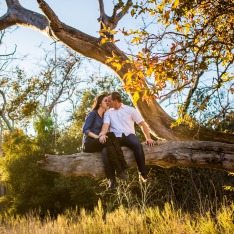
(123, 220)
(140, 208)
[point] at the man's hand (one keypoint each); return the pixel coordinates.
(102, 139)
(150, 142)
(146, 132)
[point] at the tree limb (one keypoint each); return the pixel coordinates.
(166, 154)
(111, 22)
(191, 91)
(2, 112)
(18, 15)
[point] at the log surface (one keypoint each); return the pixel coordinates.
(166, 154)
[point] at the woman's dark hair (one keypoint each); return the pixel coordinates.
(98, 101)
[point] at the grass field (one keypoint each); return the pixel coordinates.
(123, 220)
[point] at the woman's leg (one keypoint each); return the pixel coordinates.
(93, 145)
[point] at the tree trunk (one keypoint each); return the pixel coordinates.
(166, 154)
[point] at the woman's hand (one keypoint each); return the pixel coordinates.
(102, 138)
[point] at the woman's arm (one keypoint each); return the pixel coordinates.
(88, 124)
(90, 134)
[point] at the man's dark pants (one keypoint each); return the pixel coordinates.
(132, 142)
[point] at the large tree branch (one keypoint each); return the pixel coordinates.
(78, 41)
(167, 154)
(18, 15)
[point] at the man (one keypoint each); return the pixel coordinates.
(120, 119)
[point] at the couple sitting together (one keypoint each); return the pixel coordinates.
(109, 126)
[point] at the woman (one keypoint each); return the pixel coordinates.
(92, 128)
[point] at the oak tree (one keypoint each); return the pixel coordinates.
(196, 35)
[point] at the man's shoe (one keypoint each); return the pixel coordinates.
(112, 184)
(143, 178)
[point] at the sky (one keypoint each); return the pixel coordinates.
(81, 15)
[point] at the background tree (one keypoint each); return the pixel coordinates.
(30, 188)
(25, 95)
(5, 59)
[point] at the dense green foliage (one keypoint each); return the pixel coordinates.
(30, 188)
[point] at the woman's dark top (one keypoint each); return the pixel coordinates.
(93, 123)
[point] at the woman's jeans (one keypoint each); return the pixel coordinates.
(112, 150)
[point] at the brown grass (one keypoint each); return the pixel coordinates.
(123, 220)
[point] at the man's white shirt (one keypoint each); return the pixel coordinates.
(122, 120)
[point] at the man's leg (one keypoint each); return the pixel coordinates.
(120, 155)
(133, 143)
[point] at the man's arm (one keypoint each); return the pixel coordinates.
(146, 132)
(102, 134)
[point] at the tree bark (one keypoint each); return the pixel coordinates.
(166, 154)
(157, 119)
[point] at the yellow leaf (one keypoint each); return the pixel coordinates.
(149, 72)
(187, 28)
(176, 3)
(128, 75)
(140, 74)
(117, 65)
(160, 7)
(136, 40)
(128, 80)
(113, 31)
(104, 40)
(110, 59)
(140, 54)
(135, 97)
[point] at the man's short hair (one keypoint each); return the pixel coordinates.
(116, 96)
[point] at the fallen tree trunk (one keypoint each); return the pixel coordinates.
(166, 154)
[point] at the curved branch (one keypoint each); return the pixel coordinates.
(167, 154)
(2, 112)
(101, 8)
(119, 16)
(112, 22)
(191, 92)
(12, 3)
(4, 101)
(18, 15)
